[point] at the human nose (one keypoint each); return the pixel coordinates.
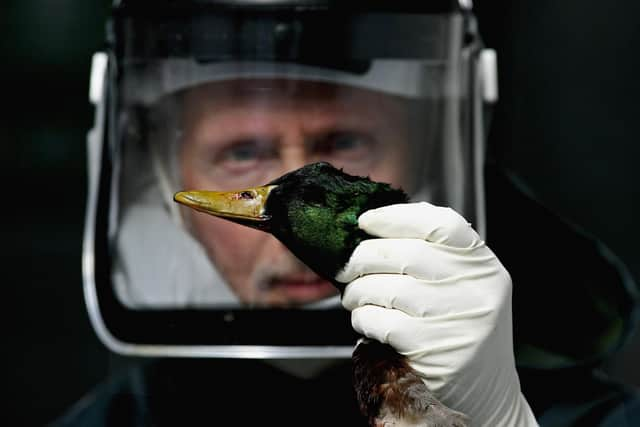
(294, 154)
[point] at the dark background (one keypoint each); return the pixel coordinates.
(567, 121)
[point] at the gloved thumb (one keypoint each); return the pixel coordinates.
(420, 221)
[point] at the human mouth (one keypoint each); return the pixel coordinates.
(302, 288)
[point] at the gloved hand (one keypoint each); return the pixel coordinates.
(432, 289)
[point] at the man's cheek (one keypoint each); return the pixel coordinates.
(232, 246)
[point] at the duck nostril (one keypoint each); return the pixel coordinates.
(246, 195)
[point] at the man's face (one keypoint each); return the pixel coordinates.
(245, 133)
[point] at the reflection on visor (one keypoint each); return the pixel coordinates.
(400, 54)
(410, 78)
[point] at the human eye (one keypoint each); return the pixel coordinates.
(245, 151)
(344, 146)
(243, 154)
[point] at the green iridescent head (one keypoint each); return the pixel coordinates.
(313, 211)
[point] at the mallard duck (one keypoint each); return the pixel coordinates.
(314, 212)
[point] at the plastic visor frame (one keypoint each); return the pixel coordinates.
(187, 333)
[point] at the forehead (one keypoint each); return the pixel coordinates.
(256, 94)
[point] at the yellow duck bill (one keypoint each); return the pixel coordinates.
(247, 207)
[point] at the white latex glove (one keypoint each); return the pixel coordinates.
(433, 290)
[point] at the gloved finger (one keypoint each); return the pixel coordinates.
(415, 257)
(420, 220)
(421, 298)
(377, 322)
(408, 335)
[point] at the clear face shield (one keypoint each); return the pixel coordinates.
(226, 100)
